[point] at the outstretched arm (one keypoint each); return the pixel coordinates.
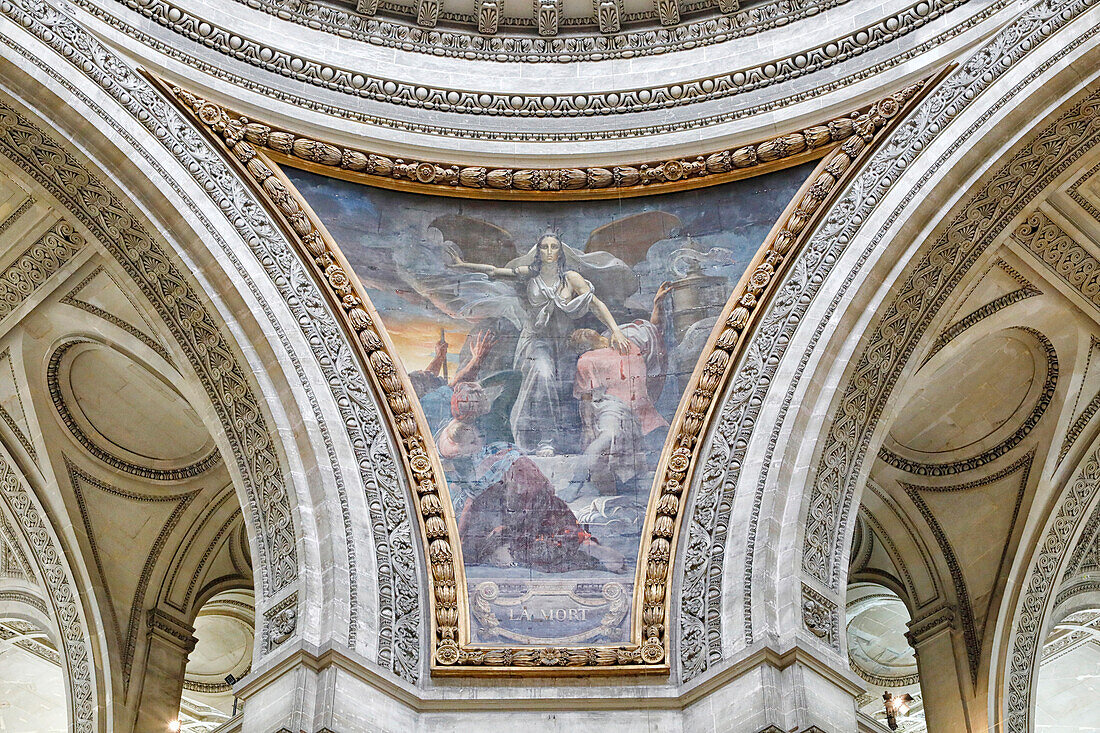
(436, 364)
(480, 348)
(454, 260)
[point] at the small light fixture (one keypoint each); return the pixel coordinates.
(230, 679)
(896, 707)
(174, 725)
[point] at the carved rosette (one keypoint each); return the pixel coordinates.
(243, 141)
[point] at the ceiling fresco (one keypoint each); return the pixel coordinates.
(549, 345)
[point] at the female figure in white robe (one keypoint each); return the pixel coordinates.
(556, 296)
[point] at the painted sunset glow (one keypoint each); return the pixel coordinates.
(549, 345)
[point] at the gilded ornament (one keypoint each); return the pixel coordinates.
(446, 653)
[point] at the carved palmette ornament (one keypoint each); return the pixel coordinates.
(607, 15)
(488, 16)
(668, 11)
(649, 648)
(548, 14)
(729, 6)
(427, 13)
(366, 7)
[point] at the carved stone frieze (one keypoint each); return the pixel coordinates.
(449, 602)
(532, 105)
(427, 13)
(1069, 261)
(701, 633)
(37, 263)
(1029, 629)
(699, 31)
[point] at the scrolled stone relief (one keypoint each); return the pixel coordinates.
(701, 628)
(283, 621)
(820, 616)
(37, 263)
(398, 600)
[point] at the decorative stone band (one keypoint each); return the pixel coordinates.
(451, 653)
(734, 22)
(597, 181)
(36, 264)
(194, 30)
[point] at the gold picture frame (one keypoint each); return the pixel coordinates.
(256, 151)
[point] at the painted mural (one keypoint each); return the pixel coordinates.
(549, 344)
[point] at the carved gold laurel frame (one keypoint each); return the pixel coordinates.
(255, 150)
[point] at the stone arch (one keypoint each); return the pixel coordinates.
(341, 537)
(86, 686)
(765, 554)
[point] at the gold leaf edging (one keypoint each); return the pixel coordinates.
(597, 181)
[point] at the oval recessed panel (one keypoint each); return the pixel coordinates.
(971, 397)
(132, 409)
(224, 646)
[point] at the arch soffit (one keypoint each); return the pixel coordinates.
(1002, 197)
(86, 687)
(726, 618)
(359, 438)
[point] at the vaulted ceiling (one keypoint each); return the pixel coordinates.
(994, 417)
(104, 419)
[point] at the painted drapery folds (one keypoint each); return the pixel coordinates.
(549, 345)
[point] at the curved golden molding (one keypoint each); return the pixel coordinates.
(590, 182)
(649, 649)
